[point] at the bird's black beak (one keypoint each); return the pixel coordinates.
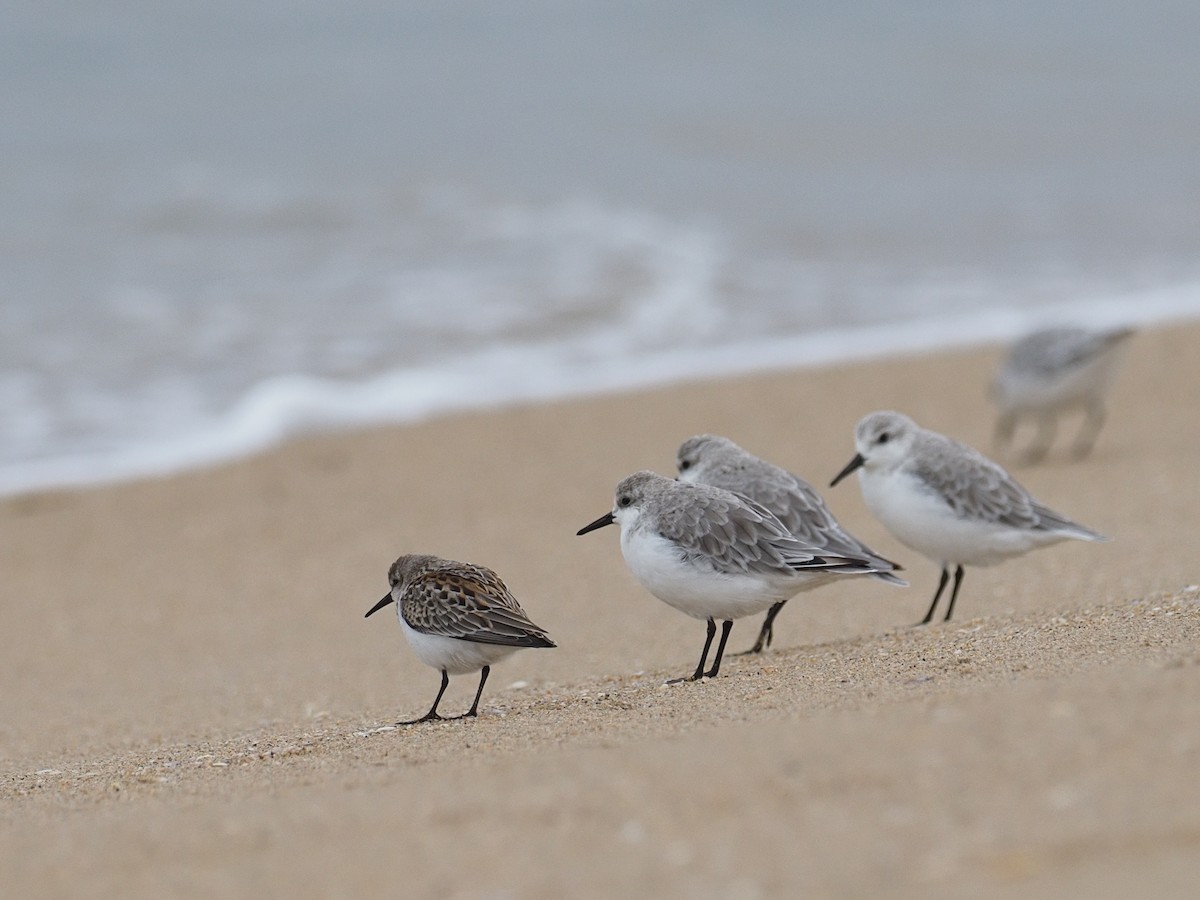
(850, 467)
(380, 605)
(606, 519)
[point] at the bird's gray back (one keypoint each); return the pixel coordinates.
(794, 502)
(1055, 351)
(736, 535)
(976, 488)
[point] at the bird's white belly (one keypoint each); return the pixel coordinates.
(454, 655)
(1075, 386)
(921, 520)
(693, 588)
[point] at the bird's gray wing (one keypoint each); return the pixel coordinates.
(735, 535)
(976, 488)
(803, 512)
(1057, 350)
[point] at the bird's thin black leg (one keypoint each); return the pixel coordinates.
(958, 577)
(726, 627)
(483, 677)
(1047, 425)
(699, 673)
(1093, 421)
(936, 597)
(1005, 425)
(433, 713)
(767, 633)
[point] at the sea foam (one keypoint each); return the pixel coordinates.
(284, 407)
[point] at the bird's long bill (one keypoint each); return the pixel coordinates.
(850, 467)
(378, 606)
(606, 519)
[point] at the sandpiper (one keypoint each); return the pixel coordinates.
(713, 554)
(1053, 371)
(458, 618)
(718, 461)
(947, 501)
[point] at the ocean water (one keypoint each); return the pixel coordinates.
(225, 224)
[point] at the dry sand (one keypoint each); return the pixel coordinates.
(194, 705)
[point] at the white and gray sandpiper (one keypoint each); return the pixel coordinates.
(458, 618)
(947, 501)
(715, 460)
(1051, 372)
(713, 554)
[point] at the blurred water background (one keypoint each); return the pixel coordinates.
(222, 224)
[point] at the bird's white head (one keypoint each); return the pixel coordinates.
(629, 498)
(883, 441)
(704, 454)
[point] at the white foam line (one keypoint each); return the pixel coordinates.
(282, 408)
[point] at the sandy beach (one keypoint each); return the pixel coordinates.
(193, 704)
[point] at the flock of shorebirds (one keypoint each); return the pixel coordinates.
(734, 535)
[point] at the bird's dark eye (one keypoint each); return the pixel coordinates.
(685, 465)
(884, 438)
(624, 500)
